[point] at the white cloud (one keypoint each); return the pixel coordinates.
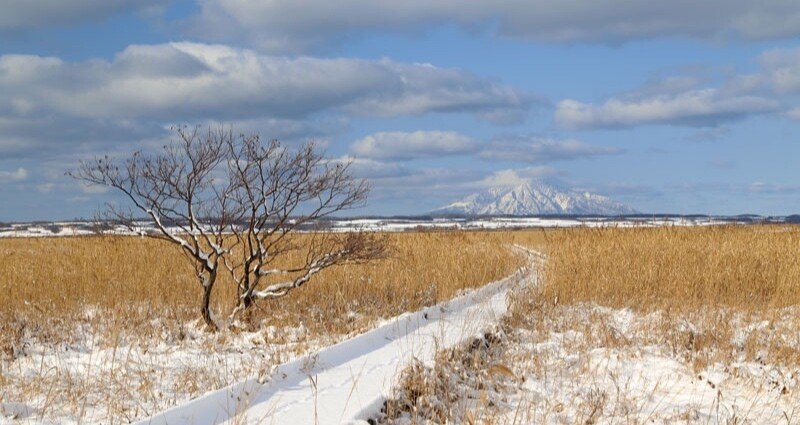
(287, 130)
(45, 187)
(703, 107)
(533, 149)
(91, 189)
(424, 189)
(19, 15)
(18, 175)
(779, 73)
(365, 168)
(401, 146)
(772, 188)
(298, 24)
(515, 177)
(420, 186)
(794, 114)
(51, 102)
(712, 134)
(409, 145)
(199, 80)
(781, 69)
(681, 100)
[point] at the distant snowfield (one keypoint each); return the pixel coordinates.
(63, 229)
(496, 223)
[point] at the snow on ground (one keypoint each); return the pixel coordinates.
(81, 381)
(494, 223)
(24, 231)
(648, 384)
(555, 364)
(642, 383)
(348, 381)
(593, 365)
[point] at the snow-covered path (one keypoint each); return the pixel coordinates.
(347, 382)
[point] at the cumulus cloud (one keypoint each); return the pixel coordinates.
(419, 188)
(299, 24)
(514, 177)
(46, 99)
(427, 188)
(702, 107)
(533, 149)
(21, 15)
(197, 80)
(794, 114)
(773, 189)
(50, 135)
(290, 131)
(781, 69)
(398, 145)
(779, 73)
(365, 168)
(682, 100)
(17, 175)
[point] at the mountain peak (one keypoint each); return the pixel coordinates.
(534, 198)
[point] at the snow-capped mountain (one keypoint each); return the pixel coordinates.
(537, 198)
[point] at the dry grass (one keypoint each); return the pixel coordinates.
(642, 325)
(586, 363)
(717, 301)
(467, 384)
(105, 329)
(746, 267)
(704, 284)
(49, 284)
(700, 296)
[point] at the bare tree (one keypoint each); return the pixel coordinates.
(283, 191)
(232, 202)
(177, 191)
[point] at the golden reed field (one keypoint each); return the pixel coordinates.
(50, 283)
(721, 281)
(135, 295)
(626, 327)
(746, 267)
(107, 329)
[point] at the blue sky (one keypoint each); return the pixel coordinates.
(680, 107)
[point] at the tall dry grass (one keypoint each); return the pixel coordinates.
(721, 279)
(102, 329)
(744, 267)
(639, 325)
(49, 284)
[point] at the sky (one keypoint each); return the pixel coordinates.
(684, 106)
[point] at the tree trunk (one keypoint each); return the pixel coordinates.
(245, 300)
(205, 307)
(240, 312)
